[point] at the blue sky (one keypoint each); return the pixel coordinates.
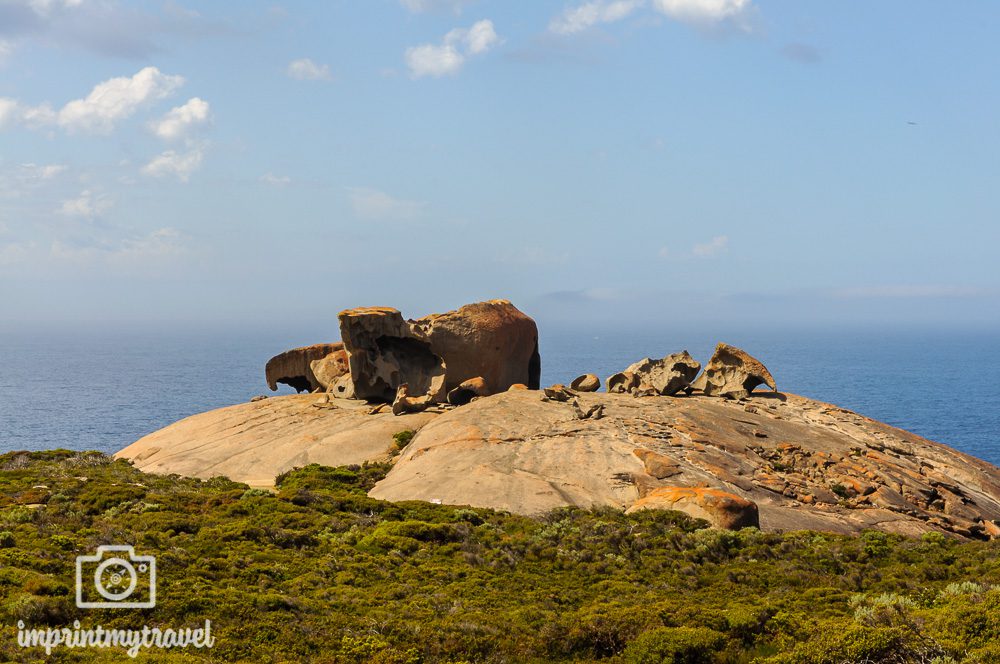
(636, 160)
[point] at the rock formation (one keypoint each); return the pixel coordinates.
(308, 368)
(468, 390)
(647, 376)
(491, 340)
(407, 403)
(383, 352)
(586, 383)
(777, 460)
(733, 373)
(720, 508)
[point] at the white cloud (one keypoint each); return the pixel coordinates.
(702, 11)
(177, 164)
(664, 252)
(580, 18)
(46, 172)
(378, 205)
(117, 99)
(449, 56)
(34, 117)
(275, 180)
(10, 111)
(179, 121)
(106, 27)
(307, 70)
(714, 247)
(420, 6)
(161, 242)
(479, 38)
(431, 60)
(87, 205)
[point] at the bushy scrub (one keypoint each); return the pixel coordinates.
(318, 571)
(675, 645)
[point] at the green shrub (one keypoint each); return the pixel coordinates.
(403, 438)
(836, 642)
(6, 539)
(675, 645)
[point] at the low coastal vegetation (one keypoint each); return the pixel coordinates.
(319, 572)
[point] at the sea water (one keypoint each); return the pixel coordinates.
(102, 389)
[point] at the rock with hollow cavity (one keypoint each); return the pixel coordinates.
(623, 382)
(468, 390)
(492, 340)
(733, 373)
(308, 368)
(664, 377)
(720, 508)
(586, 383)
(384, 352)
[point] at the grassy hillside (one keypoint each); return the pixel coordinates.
(319, 572)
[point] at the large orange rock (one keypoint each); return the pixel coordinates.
(308, 368)
(720, 508)
(733, 373)
(433, 355)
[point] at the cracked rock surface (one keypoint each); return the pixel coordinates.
(805, 464)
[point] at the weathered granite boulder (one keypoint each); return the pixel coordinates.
(586, 383)
(468, 390)
(308, 368)
(665, 377)
(491, 340)
(733, 373)
(623, 382)
(720, 508)
(384, 352)
(405, 402)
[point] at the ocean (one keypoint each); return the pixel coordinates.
(88, 389)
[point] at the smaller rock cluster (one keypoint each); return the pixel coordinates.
(731, 373)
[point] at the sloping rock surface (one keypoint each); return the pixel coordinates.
(254, 442)
(806, 464)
